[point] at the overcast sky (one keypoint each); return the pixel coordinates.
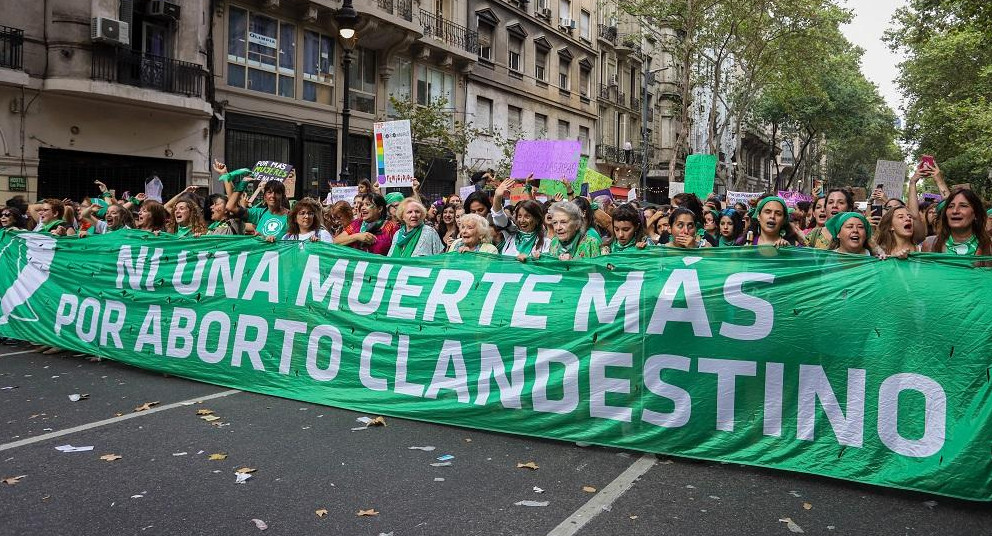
(879, 64)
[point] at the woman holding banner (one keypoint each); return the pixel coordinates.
(895, 233)
(684, 230)
(372, 231)
(961, 230)
(475, 235)
(851, 232)
(628, 231)
(837, 201)
(571, 240)
(153, 216)
(527, 238)
(771, 225)
(305, 223)
(414, 238)
(731, 228)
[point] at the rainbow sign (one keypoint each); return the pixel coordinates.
(393, 153)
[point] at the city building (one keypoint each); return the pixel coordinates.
(103, 90)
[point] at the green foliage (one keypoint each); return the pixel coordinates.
(947, 82)
(435, 132)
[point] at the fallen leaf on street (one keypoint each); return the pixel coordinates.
(246, 470)
(369, 512)
(529, 465)
(792, 525)
(111, 457)
(210, 418)
(118, 414)
(204, 411)
(260, 524)
(322, 512)
(807, 506)
(378, 421)
(147, 406)
(588, 489)
(11, 480)
(218, 456)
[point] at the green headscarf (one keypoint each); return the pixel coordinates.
(837, 221)
(393, 197)
(100, 202)
(765, 201)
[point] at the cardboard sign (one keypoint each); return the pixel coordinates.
(518, 194)
(597, 181)
(700, 173)
(341, 193)
(860, 194)
(891, 175)
(675, 188)
(742, 197)
(465, 191)
(546, 159)
(394, 154)
(267, 170)
(791, 198)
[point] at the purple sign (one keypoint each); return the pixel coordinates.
(791, 198)
(546, 159)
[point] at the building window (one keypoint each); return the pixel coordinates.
(261, 53)
(540, 65)
(514, 120)
(514, 48)
(362, 81)
(318, 68)
(433, 85)
(584, 77)
(563, 67)
(584, 138)
(584, 19)
(565, 10)
(540, 126)
(483, 114)
(564, 130)
(399, 85)
(485, 41)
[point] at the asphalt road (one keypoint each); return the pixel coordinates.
(306, 458)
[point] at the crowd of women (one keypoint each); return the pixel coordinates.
(563, 228)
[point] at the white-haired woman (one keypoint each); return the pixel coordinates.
(414, 239)
(571, 240)
(475, 235)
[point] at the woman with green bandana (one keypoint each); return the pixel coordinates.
(49, 214)
(588, 217)
(527, 239)
(115, 218)
(189, 219)
(628, 231)
(371, 231)
(731, 228)
(393, 200)
(770, 225)
(221, 221)
(571, 240)
(851, 232)
(475, 235)
(269, 220)
(961, 227)
(836, 201)
(682, 223)
(414, 238)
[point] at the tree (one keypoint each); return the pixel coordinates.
(436, 134)
(947, 83)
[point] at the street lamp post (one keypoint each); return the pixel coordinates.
(347, 19)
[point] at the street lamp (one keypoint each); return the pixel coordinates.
(346, 19)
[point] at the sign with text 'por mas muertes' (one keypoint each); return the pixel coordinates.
(687, 353)
(546, 159)
(394, 154)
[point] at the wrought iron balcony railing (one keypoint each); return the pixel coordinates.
(449, 33)
(133, 68)
(11, 47)
(400, 8)
(608, 33)
(614, 154)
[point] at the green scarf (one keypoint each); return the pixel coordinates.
(183, 232)
(572, 246)
(214, 225)
(524, 242)
(617, 246)
(406, 241)
(968, 247)
(51, 225)
(373, 228)
(724, 243)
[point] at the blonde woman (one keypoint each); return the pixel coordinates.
(475, 235)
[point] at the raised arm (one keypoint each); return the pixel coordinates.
(175, 199)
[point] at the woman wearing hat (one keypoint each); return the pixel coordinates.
(414, 238)
(372, 231)
(771, 226)
(851, 232)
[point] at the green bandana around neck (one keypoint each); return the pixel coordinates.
(524, 242)
(406, 241)
(968, 247)
(724, 243)
(373, 227)
(51, 225)
(617, 246)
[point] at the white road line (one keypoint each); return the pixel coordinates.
(18, 353)
(113, 420)
(605, 497)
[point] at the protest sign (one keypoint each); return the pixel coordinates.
(267, 170)
(891, 175)
(342, 193)
(650, 351)
(632, 195)
(791, 197)
(465, 191)
(546, 159)
(742, 197)
(518, 194)
(700, 173)
(552, 188)
(394, 154)
(596, 180)
(675, 188)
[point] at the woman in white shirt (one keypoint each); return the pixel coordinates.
(305, 223)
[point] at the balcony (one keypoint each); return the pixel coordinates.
(133, 68)
(11, 48)
(400, 8)
(608, 33)
(449, 33)
(635, 104)
(612, 93)
(617, 155)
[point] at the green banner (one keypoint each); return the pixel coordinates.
(796, 359)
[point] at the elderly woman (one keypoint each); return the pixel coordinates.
(372, 231)
(414, 239)
(851, 232)
(571, 240)
(475, 235)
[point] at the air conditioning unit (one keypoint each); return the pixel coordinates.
(161, 8)
(614, 80)
(115, 32)
(567, 23)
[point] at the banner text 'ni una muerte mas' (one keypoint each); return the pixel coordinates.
(802, 360)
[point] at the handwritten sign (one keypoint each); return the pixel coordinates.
(742, 197)
(465, 191)
(394, 153)
(546, 159)
(675, 188)
(341, 193)
(700, 173)
(791, 198)
(267, 170)
(891, 174)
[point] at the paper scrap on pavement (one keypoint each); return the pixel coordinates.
(425, 449)
(76, 397)
(369, 512)
(11, 480)
(792, 526)
(240, 478)
(538, 490)
(529, 465)
(531, 503)
(321, 512)
(441, 464)
(70, 448)
(260, 524)
(111, 457)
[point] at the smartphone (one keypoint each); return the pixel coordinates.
(927, 160)
(876, 211)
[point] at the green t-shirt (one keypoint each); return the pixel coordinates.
(267, 223)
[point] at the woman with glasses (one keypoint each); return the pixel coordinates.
(10, 219)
